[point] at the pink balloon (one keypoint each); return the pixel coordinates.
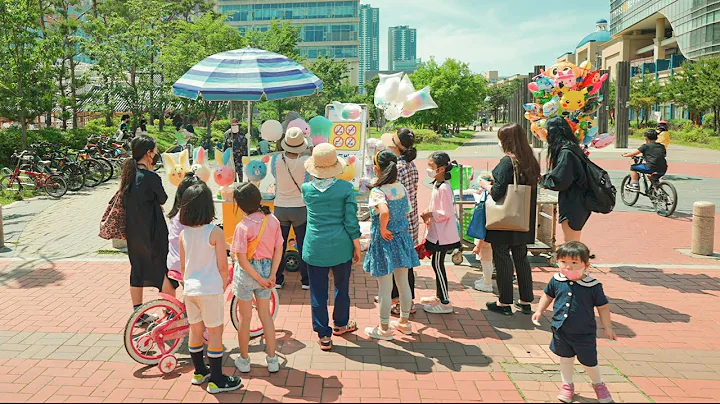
(603, 140)
(316, 140)
(300, 123)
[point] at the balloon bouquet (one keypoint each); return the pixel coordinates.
(569, 91)
(395, 95)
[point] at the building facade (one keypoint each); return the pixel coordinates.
(327, 27)
(590, 47)
(402, 48)
(369, 41)
(657, 36)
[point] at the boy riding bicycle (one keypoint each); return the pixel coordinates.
(654, 155)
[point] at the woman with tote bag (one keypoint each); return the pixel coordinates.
(513, 212)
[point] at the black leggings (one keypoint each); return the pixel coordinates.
(411, 280)
(504, 266)
(438, 264)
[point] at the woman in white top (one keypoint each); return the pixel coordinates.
(289, 171)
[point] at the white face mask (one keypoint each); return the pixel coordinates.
(234, 128)
(431, 173)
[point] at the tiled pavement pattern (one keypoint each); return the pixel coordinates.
(61, 325)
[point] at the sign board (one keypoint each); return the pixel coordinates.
(349, 138)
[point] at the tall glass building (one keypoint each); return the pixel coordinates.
(402, 48)
(369, 41)
(327, 27)
(656, 36)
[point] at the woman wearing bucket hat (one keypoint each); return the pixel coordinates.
(332, 241)
(289, 172)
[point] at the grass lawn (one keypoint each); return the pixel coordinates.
(7, 198)
(450, 143)
(683, 138)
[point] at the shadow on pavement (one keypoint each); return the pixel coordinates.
(645, 311)
(31, 274)
(684, 283)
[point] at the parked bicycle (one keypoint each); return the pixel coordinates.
(53, 184)
(60, 163)
(661, 193)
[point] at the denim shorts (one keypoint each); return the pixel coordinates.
(244, 286)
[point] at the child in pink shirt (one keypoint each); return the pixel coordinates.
(257, 251)
(442, 230)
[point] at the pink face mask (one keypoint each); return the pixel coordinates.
(573, 275)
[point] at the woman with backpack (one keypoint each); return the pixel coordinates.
(567, 175)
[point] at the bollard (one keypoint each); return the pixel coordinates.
(703, 228)
(2, 232)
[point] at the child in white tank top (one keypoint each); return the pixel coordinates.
(204, 266)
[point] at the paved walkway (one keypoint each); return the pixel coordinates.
(63, 308)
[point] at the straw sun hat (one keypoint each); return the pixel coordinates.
(294, 141)
(324, 162)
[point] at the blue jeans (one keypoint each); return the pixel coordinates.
(641, 168)
(319, 296)
(299, 239)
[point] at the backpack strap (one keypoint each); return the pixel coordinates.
(254, 243)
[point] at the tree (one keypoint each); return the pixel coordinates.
(498, 97)
(190, 43)
(456, 90)
(696, 87)
(645, 93)
(23, 63)
(334, 74)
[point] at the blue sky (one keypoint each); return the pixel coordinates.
(510, 36)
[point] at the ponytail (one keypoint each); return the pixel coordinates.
(451, 166)
(387, 162)
(407, 140)
(409, 154)
(265, 209)
(129, 169)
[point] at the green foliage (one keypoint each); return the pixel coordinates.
(25, 91)
(644, 94)
(456, 90)
(11, 140)
(708, 121)
(696, 87)
(498, 96)
(424, 136)
(680, 124)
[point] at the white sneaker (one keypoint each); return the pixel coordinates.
(439, 308)
(273, 364)
(305, 287)
(482, 286)
(378, 333)
(429, 300)
(403, 328)
(243, 365)
(279, 285)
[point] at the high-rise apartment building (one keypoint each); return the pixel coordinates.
(402, 48)
(327, 27)
(369, 41)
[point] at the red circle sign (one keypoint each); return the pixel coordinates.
(339, 130)
(351, 130)
(338, 142)
(350, 142)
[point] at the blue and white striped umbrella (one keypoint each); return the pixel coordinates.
(246, 75)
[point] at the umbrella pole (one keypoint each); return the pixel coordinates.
(249, 131)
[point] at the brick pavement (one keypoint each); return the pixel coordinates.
(61, 325)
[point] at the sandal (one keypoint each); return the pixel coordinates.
(350, 327)
(325, 344)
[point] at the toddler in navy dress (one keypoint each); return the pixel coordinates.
(391, 251)
(576, 295)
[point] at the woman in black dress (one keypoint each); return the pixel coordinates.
(147, 233)
(567, 176)
(514, 143)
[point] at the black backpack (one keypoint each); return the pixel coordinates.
(600, 194)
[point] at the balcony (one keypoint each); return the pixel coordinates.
(643, 66)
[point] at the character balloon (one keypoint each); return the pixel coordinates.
(199, 166)
(176, 169)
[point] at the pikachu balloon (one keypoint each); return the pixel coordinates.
(176, 169)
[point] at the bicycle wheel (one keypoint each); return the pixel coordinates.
(94, 172)
(665, 199)
(55, 186)
(74, 176)
(117, 167)
(10, 185)
(628, 197)
(256, 328)
(144, 345)
(108, 168)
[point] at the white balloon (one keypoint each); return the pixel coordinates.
(379, 99)
(393, 112)
(392, 85)
(271, 130)
(404, 90)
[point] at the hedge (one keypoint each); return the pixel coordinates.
(11, 141)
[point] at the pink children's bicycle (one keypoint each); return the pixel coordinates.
(155, 331)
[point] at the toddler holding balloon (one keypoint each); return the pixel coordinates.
(576, 295)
